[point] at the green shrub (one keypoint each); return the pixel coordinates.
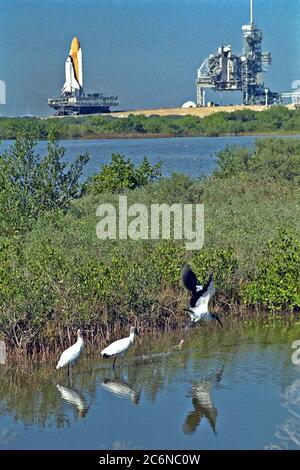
(31, 185)
(120, 174)
(277, 283)
(272, 158)
(277, 158)
(231, 161)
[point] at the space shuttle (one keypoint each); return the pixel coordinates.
(73, 100)
(74, 73)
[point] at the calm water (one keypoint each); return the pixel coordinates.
(223, 390)
(194, 156)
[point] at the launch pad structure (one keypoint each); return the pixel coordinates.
(73, 100)
(225, 71)
(83, 104)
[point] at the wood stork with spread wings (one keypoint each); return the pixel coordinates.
(198, 309)
(120, 346)
(70, 355)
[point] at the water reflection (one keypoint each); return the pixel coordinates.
(7, 435)
(121, 388)
(174, 391)
(203, 404)
(288, 433)
(74, 398)
(29, 394)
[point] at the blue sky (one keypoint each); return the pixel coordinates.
(145, 51)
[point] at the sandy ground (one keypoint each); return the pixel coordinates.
(201, 112)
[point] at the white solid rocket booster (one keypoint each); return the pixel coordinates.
(73, 68)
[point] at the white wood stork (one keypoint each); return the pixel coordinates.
(120, 346)
(198, 309)
(70, 355)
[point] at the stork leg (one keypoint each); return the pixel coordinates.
(69, 382)
(114, 362)
(191, 324)
(186, 331)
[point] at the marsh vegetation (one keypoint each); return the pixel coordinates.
(277, 119)
(56, 275)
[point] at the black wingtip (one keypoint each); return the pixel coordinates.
(189, 278)
(185, 268)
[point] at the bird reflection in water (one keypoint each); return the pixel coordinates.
(203, 404)
(119, 387)
(74, 398)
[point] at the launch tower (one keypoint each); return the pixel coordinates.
(225, 71)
